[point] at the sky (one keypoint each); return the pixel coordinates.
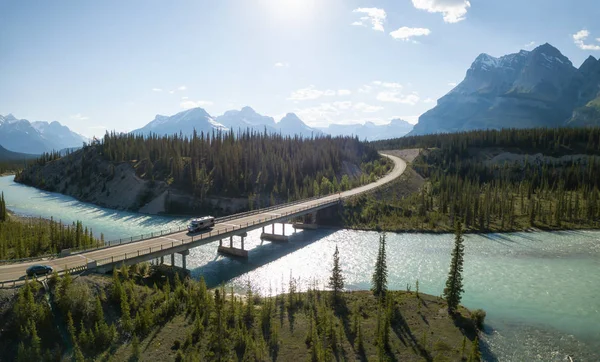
(114, 65)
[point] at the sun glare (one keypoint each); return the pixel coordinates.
(290, 9)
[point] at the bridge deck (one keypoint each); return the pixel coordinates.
(177, 242)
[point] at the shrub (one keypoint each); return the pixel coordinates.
(478, 316)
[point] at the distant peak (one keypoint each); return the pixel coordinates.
(485, 61)
(248, 109)
(547, 49)
(589, 64)
(291, 118)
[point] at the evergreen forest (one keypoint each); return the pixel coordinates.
(549, 180)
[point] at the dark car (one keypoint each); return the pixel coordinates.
(35, 270)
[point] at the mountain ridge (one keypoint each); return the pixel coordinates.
(23, 136)
(537, 88)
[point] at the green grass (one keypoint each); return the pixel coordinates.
(276, 328)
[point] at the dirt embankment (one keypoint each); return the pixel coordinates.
(407, 155)
(87, 177)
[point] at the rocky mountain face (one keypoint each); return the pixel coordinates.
(587, 111)
(538, 88)
(20, 135)
(291, 125)
(370, 131)
(185, 122)
(246, 119)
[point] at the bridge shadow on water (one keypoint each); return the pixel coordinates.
(223, 269)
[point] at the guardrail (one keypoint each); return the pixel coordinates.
(211, 234)
(17, 282)
(154, 234)
(170, 231)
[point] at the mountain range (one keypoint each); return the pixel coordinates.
(538, 88)
(20, 135)
(248, 119)
(370, 131)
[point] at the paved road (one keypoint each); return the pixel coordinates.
(17, 271)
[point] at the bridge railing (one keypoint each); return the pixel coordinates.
(17, 282)
(170, 231)
(210, 234)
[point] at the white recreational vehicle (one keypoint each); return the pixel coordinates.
(201, 223)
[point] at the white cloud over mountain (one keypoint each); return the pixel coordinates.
(187, 104)
(373, 16)
(580, 37)
(452, 10)
(406, 33)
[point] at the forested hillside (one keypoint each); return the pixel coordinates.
(253, 168)
(494, 180)
(30, 237)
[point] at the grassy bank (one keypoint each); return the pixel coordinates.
(147, 314)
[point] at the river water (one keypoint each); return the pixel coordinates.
(541, 291)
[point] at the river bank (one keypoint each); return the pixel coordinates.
(539, 289)
(295, 325)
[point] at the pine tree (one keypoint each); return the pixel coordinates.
(135, 348)
(475, 354)
(3, 214)
(454, 285)
(336, 281)
(379, 281)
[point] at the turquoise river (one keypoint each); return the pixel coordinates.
(541, 290)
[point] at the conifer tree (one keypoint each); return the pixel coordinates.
(379, 280)
(336, 281)
(3, 214)
(475, 355)
(454, 285)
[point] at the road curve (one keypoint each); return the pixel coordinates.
(16, 271)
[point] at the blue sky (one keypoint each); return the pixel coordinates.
(97, 65)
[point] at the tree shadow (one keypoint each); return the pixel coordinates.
(403, 332)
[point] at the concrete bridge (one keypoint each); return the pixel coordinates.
(229, 231)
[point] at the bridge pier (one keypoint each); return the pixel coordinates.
(184, 254)
(274, 237)
(173, 259)
(231, 250)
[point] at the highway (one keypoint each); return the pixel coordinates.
(182, 240)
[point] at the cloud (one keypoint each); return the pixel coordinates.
(429, 100)
(171, 91)
(343, 92)
(282, 65)
(182, 88)
(374, 16)
(78, 117)
(318, 115)
(342, 105)
(392, 85)
(366, 108)
(184, 98)
(397, 97)
(310, 93)
(156, 89)
(579, 39)
(187, 104)
(452, 84)
(406, 33)
(365, 89)
(529, 45)
(453, 10)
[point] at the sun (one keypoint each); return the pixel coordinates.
(290, 9)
